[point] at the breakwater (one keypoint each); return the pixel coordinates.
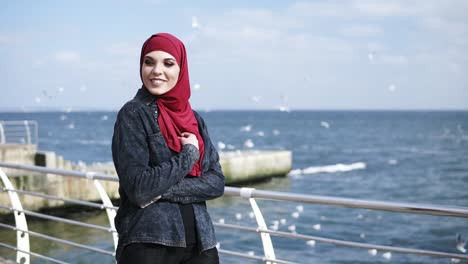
(239, 167)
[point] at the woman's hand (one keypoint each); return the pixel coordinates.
(189, 138)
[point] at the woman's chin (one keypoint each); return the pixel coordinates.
(156, 90)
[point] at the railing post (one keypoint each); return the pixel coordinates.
(2, 134)
(28, 132)
(111, 213)
(266, 239)
(36, 133)
(22, 238)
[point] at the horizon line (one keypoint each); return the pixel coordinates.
(249, 110)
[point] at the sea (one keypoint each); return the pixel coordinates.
(394, 156)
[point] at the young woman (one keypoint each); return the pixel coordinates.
(166, 163)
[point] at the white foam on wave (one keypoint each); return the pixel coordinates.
(93, 142)
(329, 169)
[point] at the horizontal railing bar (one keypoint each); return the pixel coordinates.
(63, 241)
(238, 254)
(19, 125)
(17, 139)
(13, 129)
(42, 195)
(29, 122)
(32, 254)
(18, 143)
(356, 203)
(17, 131)
(313, 199)
(347, 243)
(87, 175)
(277, 233)
(60, 219)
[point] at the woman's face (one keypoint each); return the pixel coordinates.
(159, 72)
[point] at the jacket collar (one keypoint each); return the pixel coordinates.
(144, 96)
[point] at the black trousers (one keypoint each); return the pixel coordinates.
(149, 253)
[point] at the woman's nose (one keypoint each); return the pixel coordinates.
(157, 69)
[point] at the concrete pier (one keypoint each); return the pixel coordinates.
(17, 153)
(239, 167)
(251, 166)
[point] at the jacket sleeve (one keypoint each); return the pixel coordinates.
(142, 183)
(209, 185)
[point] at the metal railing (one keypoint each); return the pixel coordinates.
(19, 132)
(23, 252)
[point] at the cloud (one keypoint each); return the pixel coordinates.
(362, 30)
(324, 43)
(124, 49)
(394, 59)
(67, 56)
(309, 51)
(457, 30)
(8, 40)
(445, 10)
(320, 9)
(264, 34)
(351, 9)
(381, 8)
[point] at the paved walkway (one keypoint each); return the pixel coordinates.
(6, 261)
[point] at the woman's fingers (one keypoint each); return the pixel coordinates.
(186, 134)
(188, 138)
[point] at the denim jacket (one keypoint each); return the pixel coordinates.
(153, 179)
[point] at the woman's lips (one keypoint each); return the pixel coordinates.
(157, 82)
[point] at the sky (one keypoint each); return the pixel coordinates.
(288, 55)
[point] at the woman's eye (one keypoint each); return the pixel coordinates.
(168, 64)
(148, 62)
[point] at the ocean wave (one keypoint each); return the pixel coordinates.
(329, 168)
(93, 142)
(422, 151)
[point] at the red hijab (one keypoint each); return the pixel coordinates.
(175, 113)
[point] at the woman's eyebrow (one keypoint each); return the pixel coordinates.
(151, 58)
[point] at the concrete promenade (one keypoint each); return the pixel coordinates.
(6, 261)
(239, 167)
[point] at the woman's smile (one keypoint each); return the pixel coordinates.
(157, 81)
